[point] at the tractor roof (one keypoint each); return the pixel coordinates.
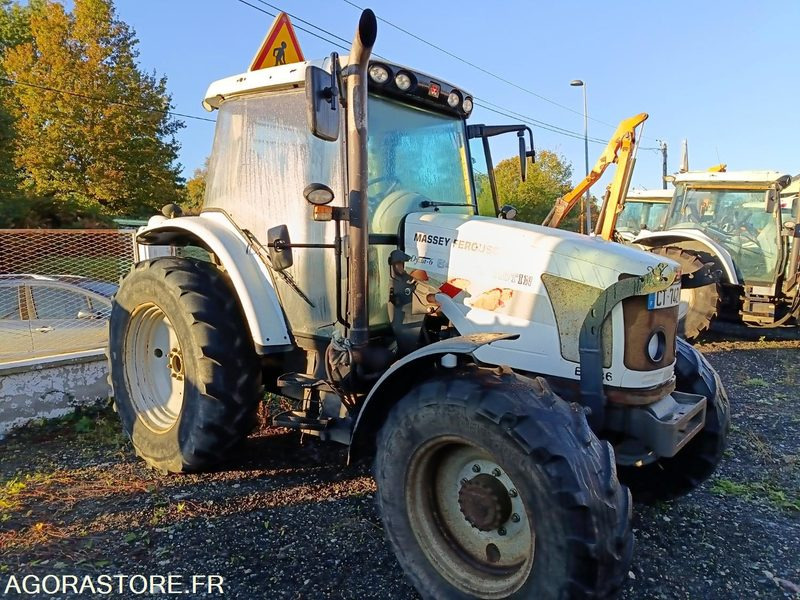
(293, 76)
(737, 178)
(654, 195)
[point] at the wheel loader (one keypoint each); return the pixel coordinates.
(504, 376)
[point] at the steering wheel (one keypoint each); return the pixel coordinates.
(390, 182)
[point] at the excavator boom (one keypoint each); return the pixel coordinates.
(621, 149)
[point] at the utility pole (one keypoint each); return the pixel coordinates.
(663, 147)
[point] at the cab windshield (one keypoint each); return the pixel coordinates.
(416, 161)
(738, 221)
(637, 215)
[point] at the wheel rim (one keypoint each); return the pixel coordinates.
(469, 518)
(154, 368)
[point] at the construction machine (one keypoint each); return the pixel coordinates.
(735, 232)
(502, 374)
(620, 150)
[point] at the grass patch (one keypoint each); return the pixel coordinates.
(757, 491)
(755, 382)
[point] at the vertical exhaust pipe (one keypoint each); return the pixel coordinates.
(358, 228)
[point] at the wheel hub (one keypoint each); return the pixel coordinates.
(175, 363)
(484, 502)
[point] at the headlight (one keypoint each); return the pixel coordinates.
(656, 346)
(403, 81)
(454, 99)
(379, 73)
(467, 105)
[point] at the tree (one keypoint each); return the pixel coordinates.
(195, 191)
(90, 125)
(14, 30)
(548, 178)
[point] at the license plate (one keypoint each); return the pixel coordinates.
(665, 298)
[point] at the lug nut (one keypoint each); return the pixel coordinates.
(496, 472)
(502, 531)
(476, 468)
(513, 493)
(515, 518)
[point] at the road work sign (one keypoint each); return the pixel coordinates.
(279, 47)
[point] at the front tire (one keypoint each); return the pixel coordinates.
(698, 306)
(184, 372)
(670, 478)
(491, 486)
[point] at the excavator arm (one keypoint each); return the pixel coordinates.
(621, 149)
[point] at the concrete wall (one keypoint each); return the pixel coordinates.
(50, 387)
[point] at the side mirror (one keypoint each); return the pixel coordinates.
(523, 156)
(322, 99)
(280, 247)
(770, 196)
(507, 212)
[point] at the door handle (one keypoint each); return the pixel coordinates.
(43, 329)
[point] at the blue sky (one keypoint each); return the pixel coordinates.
(721, 74)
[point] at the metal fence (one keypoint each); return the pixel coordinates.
(56, 288)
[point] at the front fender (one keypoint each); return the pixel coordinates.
(676, 237)
(397, 379)
(251, 278)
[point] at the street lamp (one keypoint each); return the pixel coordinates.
(587, 201)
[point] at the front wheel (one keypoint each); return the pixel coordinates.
(490, 486)
(669, 478)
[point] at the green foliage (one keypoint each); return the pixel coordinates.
(758, 490)
(195, 191)
(548, 179)
(106, 146)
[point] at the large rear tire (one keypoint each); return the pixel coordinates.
(669, 478)
(491, 486)
(184, 372)
(699, 306)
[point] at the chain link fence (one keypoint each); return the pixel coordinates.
(56, 288)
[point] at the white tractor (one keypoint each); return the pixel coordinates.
(736, 233)
(502, 373)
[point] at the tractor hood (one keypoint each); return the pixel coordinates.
(479, 253)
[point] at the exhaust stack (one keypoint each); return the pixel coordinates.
(358, 229)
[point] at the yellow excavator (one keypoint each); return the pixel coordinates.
(621, 150)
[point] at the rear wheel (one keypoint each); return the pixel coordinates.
(700, 305)
(490, 486)
(669, 478)
(185, 376)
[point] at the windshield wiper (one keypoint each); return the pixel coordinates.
(431, 203)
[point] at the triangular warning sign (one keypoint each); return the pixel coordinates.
(279, 47)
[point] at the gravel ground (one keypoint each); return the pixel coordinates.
(282, 520)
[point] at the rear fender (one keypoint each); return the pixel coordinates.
(679, 239)
(214, 231)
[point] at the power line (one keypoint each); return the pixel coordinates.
(104, 100)
(487, 72)
(511, 114)
(344, 45)
(478, 67)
